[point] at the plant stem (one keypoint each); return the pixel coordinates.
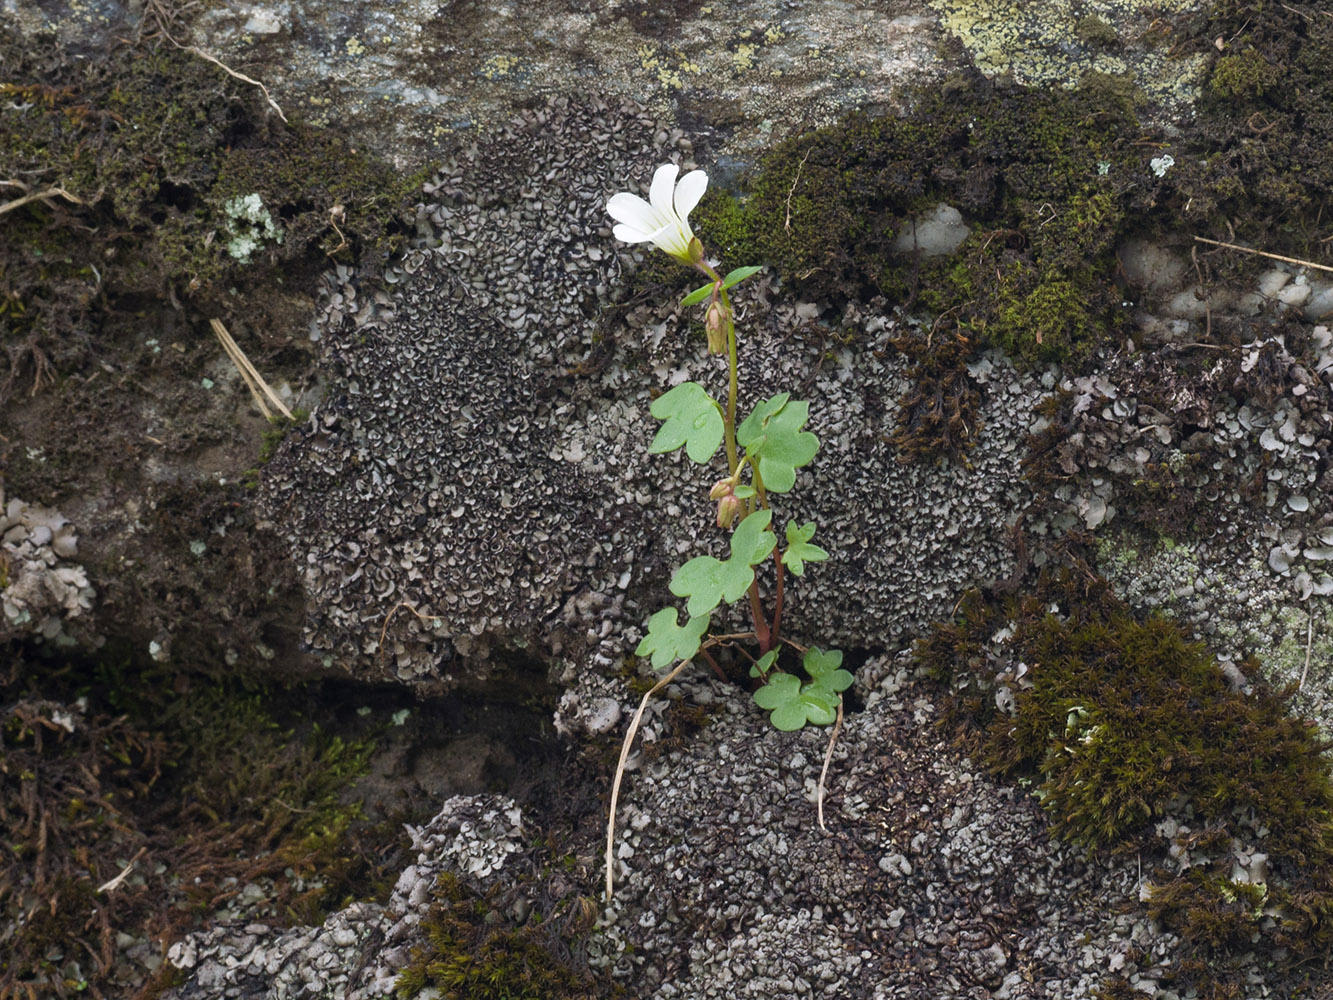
(721, 675)
(730, 421)
(761, 631)
(777, 600)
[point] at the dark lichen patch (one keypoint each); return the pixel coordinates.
(1131, 737)
(479, 949)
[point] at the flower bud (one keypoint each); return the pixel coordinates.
(721, 488)
(716, 325)
(727, 509)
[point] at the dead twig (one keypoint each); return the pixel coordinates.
(1264, 253)
(403, 604)
(786, 223)
(113, 884)
(162, 14)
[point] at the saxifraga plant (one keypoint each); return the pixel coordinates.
(763, 453)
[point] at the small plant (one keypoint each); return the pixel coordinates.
(763, 454)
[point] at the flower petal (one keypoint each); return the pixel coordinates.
(634, 212)
(664, 183)
(673, 241)
(631, 234)
(688, 192)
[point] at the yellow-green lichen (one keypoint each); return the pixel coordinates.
(1057, 42)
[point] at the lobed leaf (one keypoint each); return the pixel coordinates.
(824, 670)
(799, 551)
(707, 582)
(773, 433)
(667, 641)
(692, 418)
(793, 704)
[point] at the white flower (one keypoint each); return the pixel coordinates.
(661, 219)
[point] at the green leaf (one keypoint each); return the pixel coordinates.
(773, 433)
(799, 550)
(752, 427)
(707, 581)
(696, 296)
(823, 668)
(744, 492)
(692, 419)
(764, 664)
(739, 275)
(752, 541)
(793, 704)
(667, 641)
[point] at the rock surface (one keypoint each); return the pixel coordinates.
(479, 457)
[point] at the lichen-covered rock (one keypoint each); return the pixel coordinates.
(358, 951)
(43, 592)
(481, 452)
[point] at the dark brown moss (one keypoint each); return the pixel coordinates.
(938, 417)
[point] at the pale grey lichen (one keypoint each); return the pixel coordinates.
(43, 592)
(249, 225)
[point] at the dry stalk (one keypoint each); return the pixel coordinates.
(1264, 253)
(403, 604)
(828, 756)
(620, 772)
(163, 14)
(43, 196)
(253, 380)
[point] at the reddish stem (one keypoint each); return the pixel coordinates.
(777, 600)
(713, 663)
(761, 631)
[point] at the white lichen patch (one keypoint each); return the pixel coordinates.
(250, 225)
(1057, 42)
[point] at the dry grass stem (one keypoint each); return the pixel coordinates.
(46, 195)
(620, 772)
(823, 774)
(1264, 253)
(253, 380)
(403, 604)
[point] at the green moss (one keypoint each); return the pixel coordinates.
(476, 953)
(1044, 318)
(1242, 74)
(1120, 722)
(1092, 30)
(277, 430)
(1042, 177)
(149, 146)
